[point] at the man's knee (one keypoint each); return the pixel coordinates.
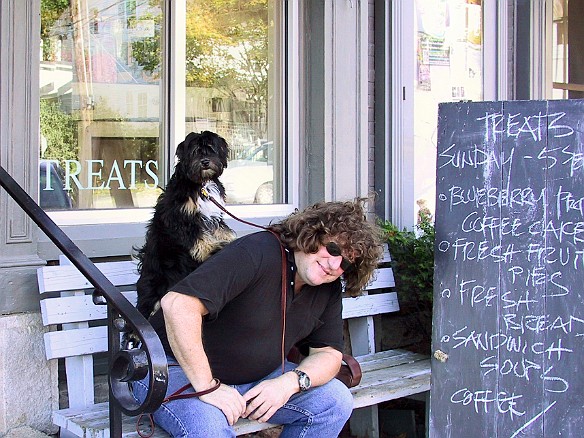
(193, 420)
(336, 398)
(344, 399)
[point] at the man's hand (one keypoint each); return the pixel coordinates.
(268, 396)
(226, 398)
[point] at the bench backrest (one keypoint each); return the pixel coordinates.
(66, 302)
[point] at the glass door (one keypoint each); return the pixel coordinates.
(567, 37)
(449, 62)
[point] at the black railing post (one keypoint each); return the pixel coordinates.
(121, 313)
(113, 334)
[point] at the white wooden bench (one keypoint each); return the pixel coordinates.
(67, 307)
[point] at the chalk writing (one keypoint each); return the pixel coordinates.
(509, 268)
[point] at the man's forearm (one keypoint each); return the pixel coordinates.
(321, 365)
(183, 317)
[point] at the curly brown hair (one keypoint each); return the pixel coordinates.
(343, 222)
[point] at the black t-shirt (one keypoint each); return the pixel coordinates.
(241, 288)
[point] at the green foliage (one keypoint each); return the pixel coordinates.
(412, 255)
(226, 46)
(147, 51)
(51, 11)
(58, 128)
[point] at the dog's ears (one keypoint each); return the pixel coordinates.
(224, 151)
(183, 146)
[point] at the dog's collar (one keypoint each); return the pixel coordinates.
(205, 193)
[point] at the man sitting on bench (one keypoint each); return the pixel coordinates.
(224, 334)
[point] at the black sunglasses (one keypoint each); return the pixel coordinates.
(333, 249)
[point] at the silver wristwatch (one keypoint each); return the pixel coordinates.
(303, 380)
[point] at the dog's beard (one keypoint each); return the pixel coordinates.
(199, 173)
(208, 174)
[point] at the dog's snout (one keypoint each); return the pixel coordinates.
(205, 162)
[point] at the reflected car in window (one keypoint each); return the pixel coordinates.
(52, 193)
(249, 179)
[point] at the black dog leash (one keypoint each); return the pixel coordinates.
(205, 194)
(350, 373)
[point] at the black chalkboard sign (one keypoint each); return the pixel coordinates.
(508, 332)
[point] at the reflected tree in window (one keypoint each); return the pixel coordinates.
(227, 49)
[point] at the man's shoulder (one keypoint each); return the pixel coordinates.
(258, 240)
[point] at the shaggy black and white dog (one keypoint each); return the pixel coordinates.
(186, 227)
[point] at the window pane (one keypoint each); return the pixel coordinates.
(449, 54)
(567, 45)
(100, 105)
(234, 87)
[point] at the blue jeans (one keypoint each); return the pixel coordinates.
(319, 412)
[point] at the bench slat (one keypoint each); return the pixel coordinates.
(399, 389)
(81, 308)
(93, 421)
(388, 358)
(368, 305)
(392, 383)
(383, 279)
(76, 309)
(391, 373)
(67, 277)
(78, 342)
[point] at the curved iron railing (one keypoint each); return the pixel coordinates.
(124, 365)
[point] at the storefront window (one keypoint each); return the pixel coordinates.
(449, 67)
(100, 104)
(102, 98)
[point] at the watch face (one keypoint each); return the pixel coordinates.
(303, 380)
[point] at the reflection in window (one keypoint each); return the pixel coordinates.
(100, 97)
(567, 62)
(100, 111)
(449, 67)
(233, 87)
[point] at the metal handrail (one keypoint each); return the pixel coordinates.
(124, 365)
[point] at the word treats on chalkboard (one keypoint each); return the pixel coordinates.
(509, 276)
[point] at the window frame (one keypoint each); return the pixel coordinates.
(125, 228)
